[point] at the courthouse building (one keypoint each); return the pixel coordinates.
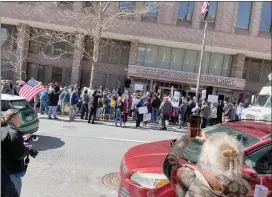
(161, 47)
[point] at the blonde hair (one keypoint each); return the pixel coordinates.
(223, 154)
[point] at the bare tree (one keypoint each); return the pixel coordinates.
(90, 19)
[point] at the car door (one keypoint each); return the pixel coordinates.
(260, 160)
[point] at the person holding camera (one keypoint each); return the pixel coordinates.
(218, 172)
(13, 147)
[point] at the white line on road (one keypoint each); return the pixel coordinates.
(119, 139)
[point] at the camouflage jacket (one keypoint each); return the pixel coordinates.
(192, 181)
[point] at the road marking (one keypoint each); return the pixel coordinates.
(124, 140)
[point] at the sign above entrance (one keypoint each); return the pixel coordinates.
(184, 77)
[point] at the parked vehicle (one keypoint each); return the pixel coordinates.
(30, 119)
(261, 108)
(141, 168)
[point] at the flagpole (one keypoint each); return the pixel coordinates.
(200, 63)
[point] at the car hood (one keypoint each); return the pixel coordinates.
(149, 155)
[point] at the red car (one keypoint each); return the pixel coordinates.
(141, 168)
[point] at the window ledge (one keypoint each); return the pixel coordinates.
(149, 19)
(243, 31)
(264, 34)
(184, 23)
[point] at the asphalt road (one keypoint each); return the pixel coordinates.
(75, 156)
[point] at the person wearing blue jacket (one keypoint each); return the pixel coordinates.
(44, 101)
(73, 103)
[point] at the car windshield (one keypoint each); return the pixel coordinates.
(15, 104)
(192, 152)
(261, 100)
(268, 103)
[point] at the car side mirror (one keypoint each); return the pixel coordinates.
(248, 172)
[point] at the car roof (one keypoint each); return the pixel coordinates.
(10, 97)
(257, 129)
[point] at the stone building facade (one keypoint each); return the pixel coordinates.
(238, 50)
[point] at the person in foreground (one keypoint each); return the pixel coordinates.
(13, 148)
(218, 172)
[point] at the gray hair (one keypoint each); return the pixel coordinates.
(223, 154)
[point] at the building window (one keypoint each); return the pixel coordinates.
(266, 18)
(125, 53)
(267, 69)
(255, 70)
(63, 48)
(244, 14)
(206, 62)
(185, 12)
(67, 77)
(164, 57)
(190, 61)
(115, 53)
(227, 66)
(211, 15)
(141, 54)
(85, 78)
(8, 37)
(127, 6)
(88, 51)
(56, 75)
(151, 56)
(104, 52)
(216, 64)
(152, 11)
(177, 59)
(65, 5)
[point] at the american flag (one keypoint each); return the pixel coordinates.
(205, 9)
(31, 89)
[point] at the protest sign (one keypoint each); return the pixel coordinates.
(212, 98)
(143, 110)
(175, 101)
(147, 117)
(138, 87)
(203, 94)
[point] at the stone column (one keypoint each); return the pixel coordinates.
(133, 52)
(255, 18)
(139, 6)
(238, 66)
(197, 14)
(22, 50)
(77, 57)
(175, 10)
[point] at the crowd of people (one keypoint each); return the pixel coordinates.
(215, 162)
(117, 106)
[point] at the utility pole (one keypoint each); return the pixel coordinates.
(204, 11)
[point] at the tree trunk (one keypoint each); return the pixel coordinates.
(95, 61)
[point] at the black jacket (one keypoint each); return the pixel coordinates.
(53, 98)
(156, 102)
(94, 100)
(7, 186)
(13, 151)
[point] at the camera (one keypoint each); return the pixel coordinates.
(33, 153)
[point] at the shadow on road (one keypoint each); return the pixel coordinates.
(46, 143)
(63, 120)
